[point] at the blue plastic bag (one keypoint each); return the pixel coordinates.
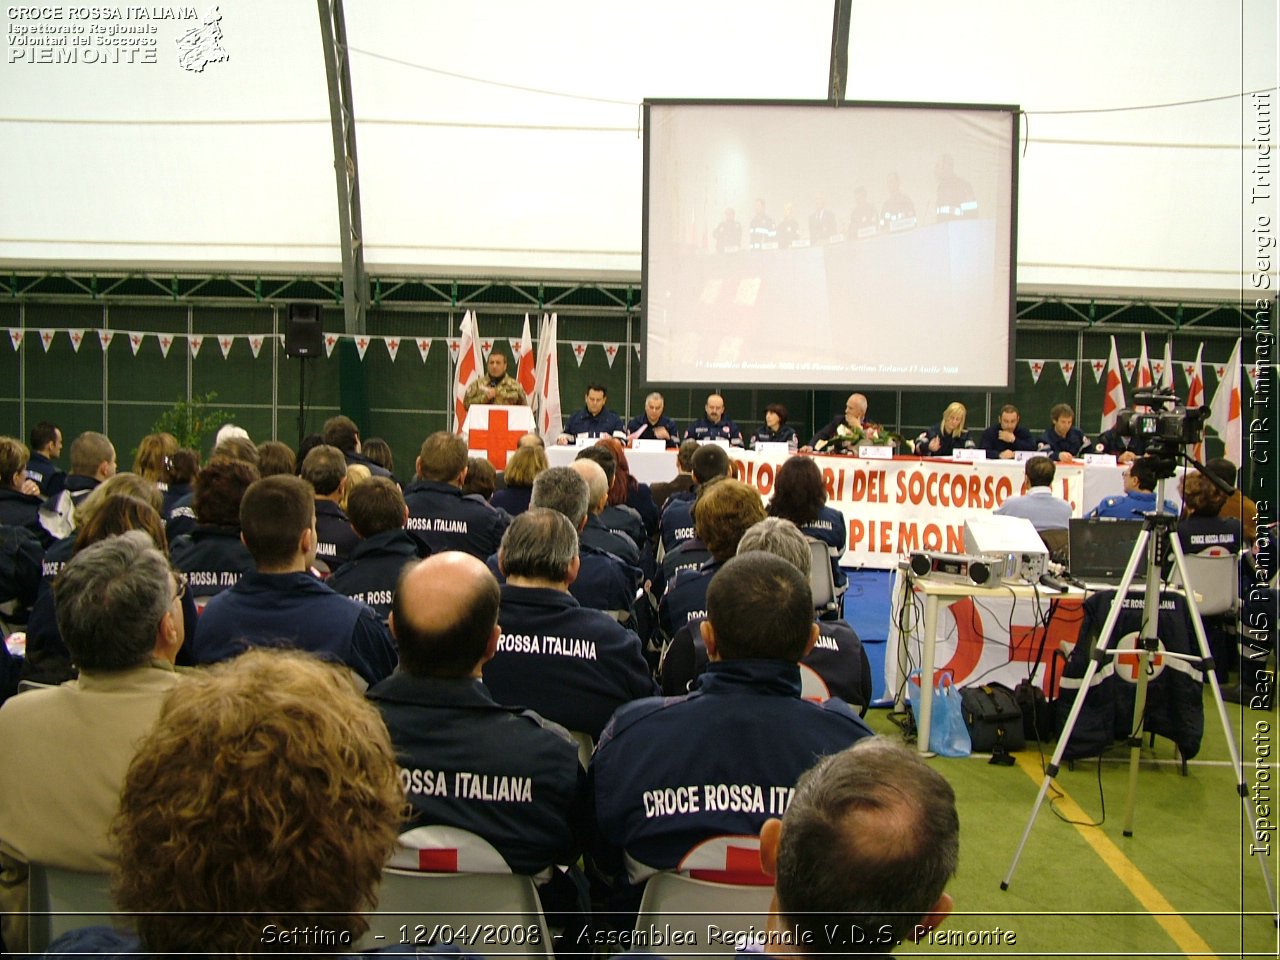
(948, 735)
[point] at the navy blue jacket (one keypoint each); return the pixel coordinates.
(335, 537)
(686, 598)
(74, 485)
(359, 459)
(56, 556)
(18, 509)
(173, 493)
(947, 444)
(514, 500)
(46, 473)
(676, 525)
(370, 576)
(1197, 534)
(213, 558)
(704, 429)
(832, 529)
(1109, 441)
(442, 518)
(689, 555)
(783, 434)
(1054, 446)
(572, 665)
(604, 582)
(598, 535)
(602, 424)
(294, 610)
(639, 428)
(625, 520)
(457, 749)
(994, 446)
(670, 773)
(181, 518)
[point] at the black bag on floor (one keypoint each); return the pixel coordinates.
(993, 717)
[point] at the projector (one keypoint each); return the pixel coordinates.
(1010, 545)
(952, 567)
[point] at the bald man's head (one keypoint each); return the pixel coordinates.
(597, 483)
(445, 616)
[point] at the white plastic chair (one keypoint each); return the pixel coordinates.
(63, 900)
(821, 580)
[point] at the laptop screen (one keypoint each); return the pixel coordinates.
(1099, 548)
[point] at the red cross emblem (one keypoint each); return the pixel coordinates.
(1036, 368)
(486, 346)
(580, 349)
(1127, 664)
(1067, 368)
(393, 344)
(76, 337)
(1128, 366)
(166, 342)
(497, 440)
(611, 350)
(331, 340)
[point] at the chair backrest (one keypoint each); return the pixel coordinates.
(1058, 543)
(586, 746)
(1215, 577)
(821, 580)
(689, 904)
(63, 900)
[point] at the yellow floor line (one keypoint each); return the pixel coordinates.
(1151, 899)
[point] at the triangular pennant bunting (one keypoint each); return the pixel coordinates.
(1157, 370)
(424, 347)
(1253, 375)
(1098, 366)
(77, 338)
(1130, 365)
(1068, 368)
(362, 344)
(196, 341)
(579, 350)
(135, 341)
(1189, 370)
(166, 341)
(226, 341)
(46, 338)
(393, 347)
(611, 352)
(455, 344)
(105, 337)
(15, 337)
(330, 341)
(1221, 371)
(255, 344)
(1037, 368)
(486, 348)
(637, 346)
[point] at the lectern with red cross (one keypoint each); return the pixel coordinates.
(492, 431)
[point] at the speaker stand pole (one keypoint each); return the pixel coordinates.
(302, 401)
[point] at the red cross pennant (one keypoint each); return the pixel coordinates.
(486, 347)
(611, 350)
(497, 440)
(1128, 367)
(1130, 661)
(580, 349)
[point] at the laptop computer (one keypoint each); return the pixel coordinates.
(1098, 550)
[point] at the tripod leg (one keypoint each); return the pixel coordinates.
(1197, 626)
(1147, 641)
(1099, 654)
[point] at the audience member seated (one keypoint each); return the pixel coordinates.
(481, 482)
(593, 420)
(378, 515)
(1039, 504)
(1203, 527)
(181, 517)
(378, 451)
(276, 458)
(357, 473)
(498, 387)
(625, 490)
(64, 750)
(618, 518)
(1139, 497)
(682, 482)
(572, 665)
(280, 604)
(212, 555)
(325, 469)
(440, 514)
(19, 495)
(183, 467)
(714, 425)
(155, 453)
(863, 855)
(947, 436)
(256, 818)
(1239, 505)
(594, 532)
(722, 514)
(523, 467)
(676, 523)
(1001, 440)
(1062, 441)
(743, 734)
(845, 432)
(48, 659)
(1124, 449)
(799, 495)
(46, 447)
(837, 657)
(653, 424)
(510, 776)
(342, 432)
(775, 429)
(93, 459)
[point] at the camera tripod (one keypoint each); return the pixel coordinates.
(1159, 532)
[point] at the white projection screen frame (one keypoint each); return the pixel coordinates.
(777, 251)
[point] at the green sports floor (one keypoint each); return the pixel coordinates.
(1183, 885)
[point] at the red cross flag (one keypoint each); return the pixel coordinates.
(525, 360)
(1224, 411)
(1144, 367)
(1113, 398)
(470, 365)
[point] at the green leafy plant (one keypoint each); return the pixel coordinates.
(190, 421)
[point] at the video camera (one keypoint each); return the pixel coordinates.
(1165, 425)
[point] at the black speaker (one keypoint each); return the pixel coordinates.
(302, 334)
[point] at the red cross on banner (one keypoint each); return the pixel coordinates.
(497, 440)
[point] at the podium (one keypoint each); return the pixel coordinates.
(493, 430)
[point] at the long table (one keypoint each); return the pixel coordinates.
(897, 506)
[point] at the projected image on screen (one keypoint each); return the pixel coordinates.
(806, 245)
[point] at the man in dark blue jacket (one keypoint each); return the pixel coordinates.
(676, 524)
(572, 665)
(325, 469)
(593, 420)
(714, 425)
(501, 772)
(281, 604)
(1003, 439)
(46, 447)
(653, 424)
(669, 774)
(378, 516)
(440, 516)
